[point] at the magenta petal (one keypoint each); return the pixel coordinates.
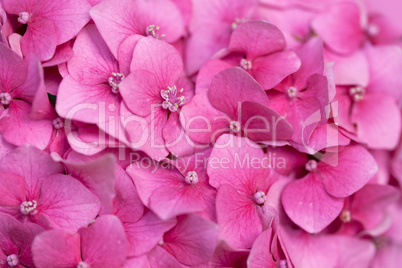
(159, 58)
(66, 203)
(145, 234)
(238, 219)
(308, 205)
(158, 257)
(23, 238)
(256, 38)
(272, 69)
(104, 243)
(233, 86)
(261, 123)
(348, 171)
(92, 63)
(339, 27)
(193, 240)
(56, 248)
(8, 225)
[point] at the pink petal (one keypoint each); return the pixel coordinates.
(92, 63)
(260, 254)
(159, 58)
(66, 203)
(201, 121)
(104, 243)
(119, 21)
(193, 240)
(31, 164)
(238, 217)
(256, 38)
(208, 71)
(272, 69)
(13, 193)
(141, 92)
(346, 172)
(308, 205)
(377, 115)
(13, 71)
(90, 104)
(64, 53)
(97, 175)
(385, 63)
(8, 225)
(231, 87)
(226, 256)
(56, 248)
(339, 27)
(370, 203)
(240, 163)
(261, 123)
(37, 39)
(145, 234)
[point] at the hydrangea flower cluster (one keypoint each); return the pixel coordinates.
(200, 133)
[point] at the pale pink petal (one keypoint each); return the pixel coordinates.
(13, 71)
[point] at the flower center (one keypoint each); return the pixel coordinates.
(191, 177)
(12, 260)
(236, 23)
(24, 17)
(283, 264)
(152, 31)
(373, 29)
(58, 123)
(260, 197)
(345, 216)
(172, 100)
(28, 207)
(5, 98)
(246, 64)
(357, 93)
(292, 92)
(235, 126)
(115, 80)
(83, 265)
(311, 165)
